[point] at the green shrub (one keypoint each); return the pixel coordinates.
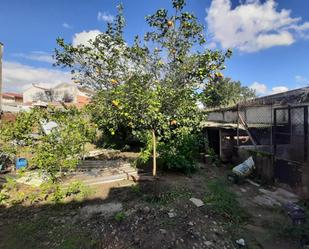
(181, 151)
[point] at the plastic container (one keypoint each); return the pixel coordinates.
(21, 163)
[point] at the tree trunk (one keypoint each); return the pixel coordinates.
(154, 165)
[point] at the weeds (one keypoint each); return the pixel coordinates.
(167, 197)
(214, 159)
(136, 189)
(224, 202)
(120, 216)
(49, 191)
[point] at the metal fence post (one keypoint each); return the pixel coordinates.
(306, 133)
(274, 132)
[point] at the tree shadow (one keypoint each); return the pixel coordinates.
(107, 221)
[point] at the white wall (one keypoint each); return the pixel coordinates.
(30, 93)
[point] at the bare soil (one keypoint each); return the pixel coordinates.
(144, 221)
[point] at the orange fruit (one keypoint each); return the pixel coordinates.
(113, 81)
(173, 122)
(170, 24)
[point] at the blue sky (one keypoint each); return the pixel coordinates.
(270, 39)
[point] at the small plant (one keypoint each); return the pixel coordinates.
(10, 184)
(3, 197)
(136, 189)
(214, 159)
(120, 216)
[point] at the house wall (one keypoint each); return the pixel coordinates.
(8, 100)
(30, 93)
(66, 90)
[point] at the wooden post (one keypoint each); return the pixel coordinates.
(238, 124)
(1, 54)
(154, 166)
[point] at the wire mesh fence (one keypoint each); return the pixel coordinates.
(282, 131)
(276, 129)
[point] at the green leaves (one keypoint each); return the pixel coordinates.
(224, 91)
(61, 149)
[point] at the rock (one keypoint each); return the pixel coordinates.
(243, 190)
(190, 223)
(197, 202)
(146, 209)
(163, 231)
(241, 242)
(208, 243)
(171, 213)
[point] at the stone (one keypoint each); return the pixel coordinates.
(190, 223)
(208, 243)
(243, 190)
(241, 242)
(197, 202)
(171, 214)
(163, 231)
(146, 209)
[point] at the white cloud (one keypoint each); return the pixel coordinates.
(66, 25)
(36, 56)
(301, 80)
(261, 89)
(253, 25)
(279, 89)
(84, 37)
(105, 17)
(17, 76)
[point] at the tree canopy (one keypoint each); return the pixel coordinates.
(224, 92)
(150, 85)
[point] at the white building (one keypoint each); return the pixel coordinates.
(63, 92)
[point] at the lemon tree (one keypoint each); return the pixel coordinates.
(152, 84)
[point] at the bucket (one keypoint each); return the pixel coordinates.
(21, 163)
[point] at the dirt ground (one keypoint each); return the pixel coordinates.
(155, 214)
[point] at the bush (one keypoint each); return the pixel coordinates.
(61, 148)
(181, 151)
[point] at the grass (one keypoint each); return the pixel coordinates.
(224, 202)
(168, 197)
(41, 233)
